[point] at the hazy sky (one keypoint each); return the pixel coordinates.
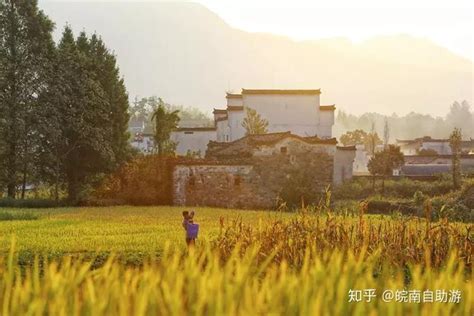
(448, 23)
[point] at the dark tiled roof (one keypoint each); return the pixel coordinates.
(274, 91)
(350, 148)
(219, 111)
(195, 129)
(220, 119)
(327, 107)
(419, 159)
(235, 108)
(233, 96)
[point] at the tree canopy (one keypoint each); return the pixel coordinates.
(63, 108)
(254, 123)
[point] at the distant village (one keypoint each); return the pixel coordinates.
(299, 135)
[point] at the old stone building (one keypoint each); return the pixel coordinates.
(255, 171)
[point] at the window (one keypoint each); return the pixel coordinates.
(188, 132)
(283, 150)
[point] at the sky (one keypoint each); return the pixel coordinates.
(447, 23)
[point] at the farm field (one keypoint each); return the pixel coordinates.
(122, 229)
(259, 262)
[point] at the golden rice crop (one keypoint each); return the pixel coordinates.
(198, 283)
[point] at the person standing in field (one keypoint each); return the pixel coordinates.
(190, 227)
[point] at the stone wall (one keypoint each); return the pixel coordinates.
(253, 182)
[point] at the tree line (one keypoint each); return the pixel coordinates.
(412, 125)
(63, 107)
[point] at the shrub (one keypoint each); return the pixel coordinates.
(17, 216)
(30, 203)
(146, 180)
(361, 188)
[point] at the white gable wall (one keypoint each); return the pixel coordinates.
(326, 122)
(296, 113)
(235, 119)
(193, 141)
(223, 131)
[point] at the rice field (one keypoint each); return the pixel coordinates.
(132, 232)
(133, 261)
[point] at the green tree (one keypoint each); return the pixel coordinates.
(254, 123)
(165, 122)
(361, 137)
(26, 48)
(455, 140)
(355, 137)
(384, 162)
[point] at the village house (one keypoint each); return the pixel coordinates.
(254, 171)
(440, 146)
(296, 111)
(416, 165)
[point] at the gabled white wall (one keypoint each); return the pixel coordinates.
(193, 141)
(326, 122)
(235, 119)
(296, 113)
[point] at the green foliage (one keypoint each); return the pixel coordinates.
(64, 108)
(360, 188)
(383, 163)
(455, 143)
(145, 180)
(361, 137)
(165, 122)
(30, 203)
(26, 52)
(288, 262)
(17, 216)
(142, 110)
(297, 189)
(412, 125)
(419, 198)
(254, 123)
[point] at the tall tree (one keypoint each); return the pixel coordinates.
(165, 122)
(254, 123)
(384, 162)
(79, 140)
(455, 140)
(26, 48)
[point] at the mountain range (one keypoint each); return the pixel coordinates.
(188, 55)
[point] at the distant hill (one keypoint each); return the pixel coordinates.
(188, 55)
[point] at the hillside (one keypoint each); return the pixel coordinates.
(188, 55)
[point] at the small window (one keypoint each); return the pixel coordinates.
(283, 150)
(188, 132)
(237, 180)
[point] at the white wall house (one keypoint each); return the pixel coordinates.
(193, 140)
(295, 111)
